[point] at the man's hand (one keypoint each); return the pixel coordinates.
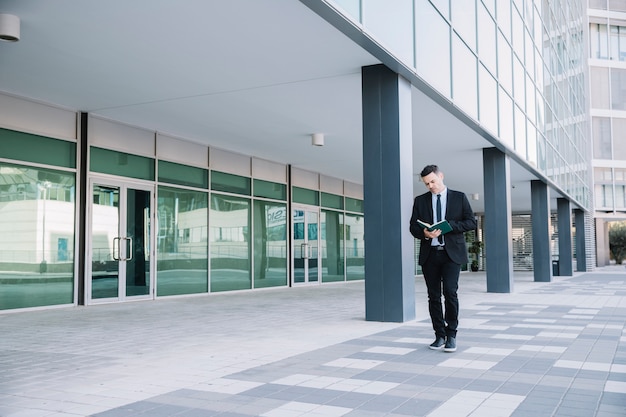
(431, 235)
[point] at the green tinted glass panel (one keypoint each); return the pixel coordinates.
(268, 189)
(183, 175)
(331, 245)
(38, 149)
(37, 221)
(305, 196)
(270, 244)
(230, 183)
(120, 163)
(332, 201)
(352, 204)
(182, 242)
(229, 243)
(355, 247)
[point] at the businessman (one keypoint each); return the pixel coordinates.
(441, 256)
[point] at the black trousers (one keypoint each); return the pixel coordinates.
(442, 278)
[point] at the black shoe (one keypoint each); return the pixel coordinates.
(450, 344)
(438, 344)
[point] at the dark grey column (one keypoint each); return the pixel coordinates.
(564, 223)
(388, 196)
(542, 258)
(581, 245)
(498, 240)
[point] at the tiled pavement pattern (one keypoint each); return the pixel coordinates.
(548, 349)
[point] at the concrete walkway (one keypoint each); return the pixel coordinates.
(548, 349)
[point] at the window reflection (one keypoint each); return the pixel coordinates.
(355, 247)
(331, 246)
(37, 251)
(182, 242)
(229, 243)
(270, 244)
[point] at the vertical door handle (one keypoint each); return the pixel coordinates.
(116, 240)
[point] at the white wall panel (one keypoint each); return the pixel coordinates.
(269, 171)
(120, 137)
(37, 118)
(331, 185)
(229, 162)
(305, 179)
(173, 149)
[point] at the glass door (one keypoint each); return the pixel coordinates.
(120, 242)
(305, 245)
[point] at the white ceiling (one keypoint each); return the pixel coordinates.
(255, 77)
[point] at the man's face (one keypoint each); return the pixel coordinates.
(434, 182)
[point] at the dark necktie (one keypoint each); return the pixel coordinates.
(439, 218)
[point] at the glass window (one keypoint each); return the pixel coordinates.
(305, 196)
(377, 14)
(270, 244)
(505, 106)
(432, 45)
(600, 94)
(331, 246)
(332, 201)
(619, 139)
(353, 204)
(488, 97)
(271, 190)
(37, 250)
(351, 7)
(182, 242)
(518, 33)
(503, 13)
(464, 81)
(38, 149)
(229, 237)
(230, 183)
(487, 39)
(183, 175)
(601, 130)
(355, 247)
(618, 89)
(505, 64)
(120, 163)
(442, 5)
(520, 132)
(519, 84)
(463, 15)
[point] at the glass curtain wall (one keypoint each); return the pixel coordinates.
(182, 241)
(270, 244)
(355, 246)
(515, 67)
(37, 245)
(332, 246)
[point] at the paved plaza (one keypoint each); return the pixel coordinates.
(547, 349)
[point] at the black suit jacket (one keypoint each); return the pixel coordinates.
(458, 213)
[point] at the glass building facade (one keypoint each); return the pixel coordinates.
(158, 228)
(159, 219)
(516, 67)
(607, 86)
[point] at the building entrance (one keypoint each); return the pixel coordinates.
(120, 264)
(305, 250)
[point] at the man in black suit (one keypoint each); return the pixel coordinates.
(441, 256)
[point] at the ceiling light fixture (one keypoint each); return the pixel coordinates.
(9, 27)
(317, 139)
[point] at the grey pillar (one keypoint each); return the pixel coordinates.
(388, 195)
(564, 223)
(542, 258)
(498, 239)
(581, 245)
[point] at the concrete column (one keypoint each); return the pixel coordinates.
(498, 239)
(581, 245)
(388, 195)
(564, 223)
(540, 218)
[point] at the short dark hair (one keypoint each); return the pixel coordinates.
(428, 169)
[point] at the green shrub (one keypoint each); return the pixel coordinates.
(617, 241)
